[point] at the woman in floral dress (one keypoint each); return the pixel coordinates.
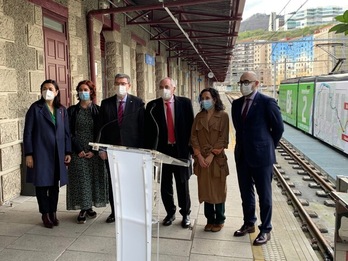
(87, 174)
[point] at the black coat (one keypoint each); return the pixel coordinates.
(183, 113)
(131, 131)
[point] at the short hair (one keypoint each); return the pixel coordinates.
(172, 81)
(122, 75)
(219, 106)
(91, 87)
(56, 101)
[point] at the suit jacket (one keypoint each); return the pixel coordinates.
(42, 139)
(259, 134)
(183, 113)
(131, 132)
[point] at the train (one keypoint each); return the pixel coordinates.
(318, 106)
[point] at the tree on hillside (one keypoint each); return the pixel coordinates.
(343, 26)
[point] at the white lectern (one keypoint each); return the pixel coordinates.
(132, 175)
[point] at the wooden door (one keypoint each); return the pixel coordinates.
(56, 56)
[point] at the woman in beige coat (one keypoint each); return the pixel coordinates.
(209, 138)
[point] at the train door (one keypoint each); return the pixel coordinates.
(56, 53)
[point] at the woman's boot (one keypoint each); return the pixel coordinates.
(54, 219)
(47, 221)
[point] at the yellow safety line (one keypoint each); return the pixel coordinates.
(257, 250)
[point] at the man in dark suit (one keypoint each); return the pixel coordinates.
(174, 117)
(259, 127)
(122, 123)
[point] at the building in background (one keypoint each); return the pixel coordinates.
(311, 16)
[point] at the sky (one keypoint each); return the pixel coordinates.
(267, 6)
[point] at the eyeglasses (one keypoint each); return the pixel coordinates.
(245, 83)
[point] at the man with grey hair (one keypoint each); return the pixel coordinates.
(259, 127)
(174, 117)
(122, 123)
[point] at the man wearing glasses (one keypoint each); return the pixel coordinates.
(259, 127)
(121, 123)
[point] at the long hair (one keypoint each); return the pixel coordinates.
(91, 87)
(219, 106)
(56, 101)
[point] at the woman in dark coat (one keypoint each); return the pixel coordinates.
(88, 180)
(47, 149)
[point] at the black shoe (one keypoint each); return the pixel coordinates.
(261, 239)
(168, 220)
(81, 219)
(244, 230)
(185, 223)
(91, 213)
(110, 219)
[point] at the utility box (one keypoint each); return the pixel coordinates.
(341, 225)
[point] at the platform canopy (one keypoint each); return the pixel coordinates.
(201, 32)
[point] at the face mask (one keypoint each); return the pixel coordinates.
(246, 89)
(84, 96)
(207, 104)
(121, 90)
(48, 95)
(165, 94)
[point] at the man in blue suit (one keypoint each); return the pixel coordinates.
(122, 123)
(259, 127)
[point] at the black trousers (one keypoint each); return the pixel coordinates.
(182, 186)
(47, 197)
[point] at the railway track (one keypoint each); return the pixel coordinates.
(315, 209)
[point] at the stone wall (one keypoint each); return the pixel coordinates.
(22, 70)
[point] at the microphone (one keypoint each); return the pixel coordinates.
(96, 147)
(157, 129)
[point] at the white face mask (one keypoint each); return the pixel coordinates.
(121, 90)
(48, 95)
(246, 89)
(165, 94)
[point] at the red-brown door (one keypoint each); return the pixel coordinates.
(56, 56)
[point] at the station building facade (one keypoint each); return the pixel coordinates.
(57, 39)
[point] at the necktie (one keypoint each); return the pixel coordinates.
(170, 124)
(120, 112)
(245, 110)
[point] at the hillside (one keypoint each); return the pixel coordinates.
(255, 22)
(263, 34)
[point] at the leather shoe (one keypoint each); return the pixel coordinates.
(168, 220)
(244, 230)
(208, 227)
(186, 222)
(261, 239)
(46, 220)
(110, 219)
(217, 227)
(54, 219)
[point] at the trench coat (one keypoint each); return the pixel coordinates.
(207, 136)
(43, 139)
